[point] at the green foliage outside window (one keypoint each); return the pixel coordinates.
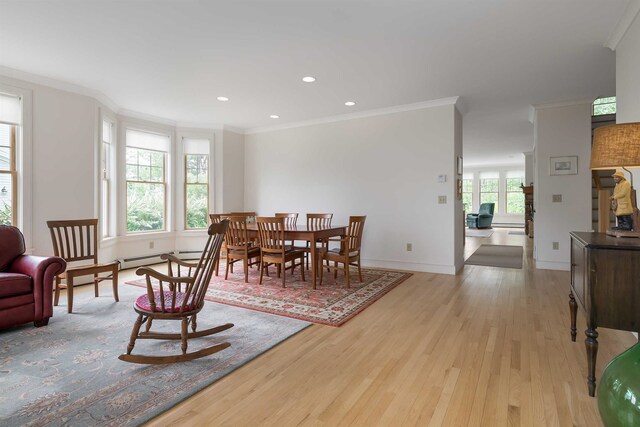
(603, 106)
(197, 190)
(489, 188)
(5, 214)
(515, 196)
(145, 190)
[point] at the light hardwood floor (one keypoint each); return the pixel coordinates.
(489, 347)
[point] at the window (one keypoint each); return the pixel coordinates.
(489, 191)
(10, 114)
(604, 106)
(105, 178)
(146, 158)
(515, 196)
(467, 194)
(196, 183)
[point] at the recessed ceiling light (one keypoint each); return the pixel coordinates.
(350, 103)
(222, 98)
(308, 79)
(274, 116)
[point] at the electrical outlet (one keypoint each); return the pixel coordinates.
(151, 244)
(556, 246)
(556, 198)
(409, 247)
(442, 200)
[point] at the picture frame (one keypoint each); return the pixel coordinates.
(565, 165)
(459, 189)
(459, 165)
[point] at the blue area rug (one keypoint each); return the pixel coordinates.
(68, 373)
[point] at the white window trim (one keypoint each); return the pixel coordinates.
(128, 123)
(107, 115)
(24, 163)
(179, 209)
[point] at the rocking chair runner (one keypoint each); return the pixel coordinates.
(168, 302)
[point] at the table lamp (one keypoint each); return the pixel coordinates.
(618, 146)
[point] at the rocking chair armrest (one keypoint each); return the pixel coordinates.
(173, 258)
(151, 272)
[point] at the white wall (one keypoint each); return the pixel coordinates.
(385, 167)
(458, 255)
(529, 165)
(561, 131)
(233, 173)
(628, 75)
(64, 129)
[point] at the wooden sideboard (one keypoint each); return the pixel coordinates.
(528, 209)
(605, 282)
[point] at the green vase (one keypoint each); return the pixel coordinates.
(619, 390)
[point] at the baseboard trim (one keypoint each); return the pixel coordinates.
(550, 265)
(410, 266)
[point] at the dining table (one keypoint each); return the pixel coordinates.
(305, 233)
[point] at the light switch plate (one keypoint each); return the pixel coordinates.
(556, 198)
(442, 200)
(442, 178)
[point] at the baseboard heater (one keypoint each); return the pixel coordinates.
(189, 255)
(140, 260)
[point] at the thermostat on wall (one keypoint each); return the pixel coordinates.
(442, 178)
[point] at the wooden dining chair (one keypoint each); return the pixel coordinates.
(215, 219)
(316, 221)
(165, 300)
(239, 246)
(349, 251)
(76, 241)
(290, 221)
(273, 248)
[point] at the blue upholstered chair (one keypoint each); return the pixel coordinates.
(483, 218)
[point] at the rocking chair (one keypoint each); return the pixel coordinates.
(168, 302)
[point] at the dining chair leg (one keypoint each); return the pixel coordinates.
(346, 272)
(194, 324)
(246, 270)
(262, 270)
(284, 274)
(335, 270)
(69, 293)
(56, 296)
(302, 268)
(226, 271)
(114, 283)
(95, 285)
(359, 269)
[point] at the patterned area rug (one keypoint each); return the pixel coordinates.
(330, 304)
(68, 373)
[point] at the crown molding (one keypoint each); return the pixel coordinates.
(233, 129)
(58, 84)
(629, 15)
(455, 100)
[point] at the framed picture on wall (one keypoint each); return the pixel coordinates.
(459, 165)
(567, 165)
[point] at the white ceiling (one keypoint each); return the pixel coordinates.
(171, 59)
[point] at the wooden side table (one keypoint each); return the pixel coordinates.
(605, 282)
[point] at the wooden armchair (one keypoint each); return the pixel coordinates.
(239, 247)
(316, 221)
(273, 249)
(76, 241)
(349, 251)
(167, 301)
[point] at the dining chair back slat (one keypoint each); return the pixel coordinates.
(290, 219)
(318, 221)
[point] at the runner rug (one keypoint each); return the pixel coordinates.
(330, 304)
(497, 256)
(68, 373)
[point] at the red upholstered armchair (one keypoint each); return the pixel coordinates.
(26, 281)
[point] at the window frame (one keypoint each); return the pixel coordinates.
(23, 160)
(507, 192)
(126, 124)
(107, 172)
(186, 186)
(13, 172)
(497, 193)
(467, 192)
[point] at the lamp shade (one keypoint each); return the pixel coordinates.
(616, 146)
